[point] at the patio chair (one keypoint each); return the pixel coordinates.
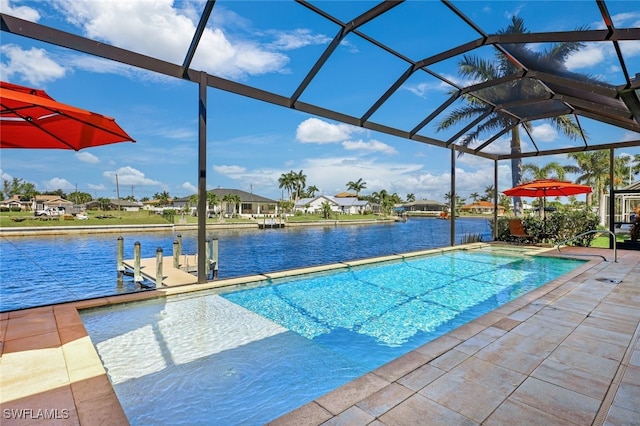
(516, 231)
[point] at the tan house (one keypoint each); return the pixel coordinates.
(43, 202)
(16, 202)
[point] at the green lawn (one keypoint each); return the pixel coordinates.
(345, 217)
(603, 241)
(23, 219)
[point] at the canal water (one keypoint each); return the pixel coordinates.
(42, 270)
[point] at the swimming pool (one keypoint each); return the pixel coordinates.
(250, 355)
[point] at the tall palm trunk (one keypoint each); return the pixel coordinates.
(516, 168)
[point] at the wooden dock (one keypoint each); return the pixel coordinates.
(170, 276)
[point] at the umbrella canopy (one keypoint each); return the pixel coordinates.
(547, 188)
(30, 118)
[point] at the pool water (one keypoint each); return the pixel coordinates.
(251, 355)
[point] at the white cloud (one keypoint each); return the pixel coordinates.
(544, 132)
(332, 174)
(592, 54)
(57, 183)
(95, 187)
(229, 170)
(630, 47)
(288, 40)
(157, 28)
(371, 146)
(426, 89)
(630, 136)
(626, 20)
(129, 176)
(189, 187)
(23, 12)
(34, 66)
(87, 157)
(314, 130)
(4, 175)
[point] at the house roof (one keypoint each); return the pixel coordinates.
(51, 199)
(121, 202)
(339, 201)
(424, 202)
(245, 197)
(480, 204)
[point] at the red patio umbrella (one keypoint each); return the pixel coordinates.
(547, 188)
(30, 118)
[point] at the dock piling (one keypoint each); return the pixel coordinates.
(159, 267)
(137, 276)
(214, 257)
(179, 238)
(207, 251)
(120, 260)
(176, 254)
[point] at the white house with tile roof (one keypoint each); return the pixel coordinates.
(250, 204)
(343, 205)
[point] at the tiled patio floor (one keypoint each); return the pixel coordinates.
(566, 353)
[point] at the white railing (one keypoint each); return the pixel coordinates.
(595, 231)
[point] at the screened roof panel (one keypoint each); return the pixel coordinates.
(400, 61)
(413, 102)
(423, 32)
(558, 16)
(353, 61)
(292, 46)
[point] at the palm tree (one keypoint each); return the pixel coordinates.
(299, 183)
(480, 69)
(459, 201)
(411, 197)
(231, 199)
(551, 170)
(162, 197)
(286, 181)
(474, 196)
(311, 191)
(213, 201)
(625, 169)
(357, 186)
(489, 193)
(593, 170)
(385, 200)
(325, 208)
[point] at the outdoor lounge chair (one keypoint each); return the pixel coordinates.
(516, 231)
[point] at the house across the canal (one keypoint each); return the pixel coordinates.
(247, 204)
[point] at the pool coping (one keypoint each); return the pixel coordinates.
(48, 361)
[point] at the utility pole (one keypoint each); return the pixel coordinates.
(118, 192)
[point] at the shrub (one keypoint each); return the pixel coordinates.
(558, 227)
(471, 238)
(16, 209)
(168, 215)
(4, 209)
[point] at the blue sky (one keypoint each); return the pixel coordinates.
(272, 45)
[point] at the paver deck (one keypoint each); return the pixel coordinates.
(566, 353)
